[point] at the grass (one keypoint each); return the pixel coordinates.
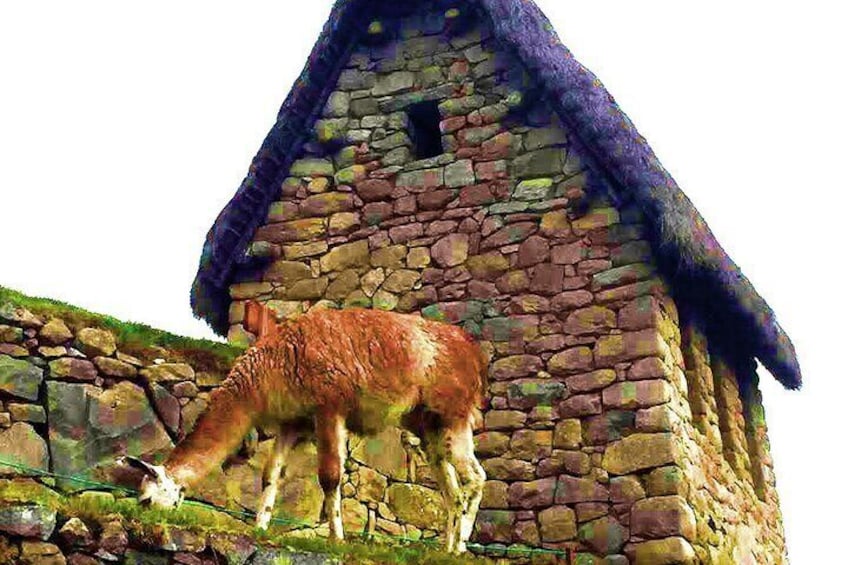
(134, 339)
(141, 522)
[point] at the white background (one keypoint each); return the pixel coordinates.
(126, 127)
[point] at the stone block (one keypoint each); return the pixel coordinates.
(282, 211)
(534, 250)
(567, 434)
(547, 279)
(541, 163)
(301, 251)
(405, 233)
(620, 276)
(40, 553)
(524, 394)
(308, 289)
(655, 419)
(643, 312)
(494, 526)
(372, 485)
(19, 378)
(113, 422)
(459, 174)
(516, 366)
(668, 551)
(416, 505)
(639, 451)
(557, 524)
(626, 490)
(168, 372)
(597, 218)
(312, 168)
(606, 536)
(402, 280)
(580, 405)
(294, 230)
(663, 516)
(570, 300)
(649, 368)
(504, 419)
(488, 444)
(637, 394)
(488, 266)
(610, 426)
(73, 369)
(115, 368)
(612, 349)
(527, 533)
(346, 256)
(287, 272)
(666, 481)
(383, 452)
(532, 494)
(531, 445)
(22, 445)
(55, 332)
(451, 250)
(571, 361)
(422, 179)
(509, 235)
(327, 204)
(571, 490)
(33, 413)
(590, 382)
(495, 495)
(338, 105)
(393, 83)
(568, 462)
(11, 334)
(503, 469)
(590, 320)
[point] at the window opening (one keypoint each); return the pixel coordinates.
(424, 129)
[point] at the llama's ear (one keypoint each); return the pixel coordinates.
(137, 463)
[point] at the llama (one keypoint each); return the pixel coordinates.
(331, 371)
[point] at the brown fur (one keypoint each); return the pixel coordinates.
(259, 319)
(369, 368)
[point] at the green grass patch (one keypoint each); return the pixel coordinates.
(134, 339)
(142, 522)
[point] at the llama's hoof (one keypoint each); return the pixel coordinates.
(263, 520)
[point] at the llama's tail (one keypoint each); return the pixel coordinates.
(483, 358)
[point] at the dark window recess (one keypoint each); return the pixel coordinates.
(424, 129)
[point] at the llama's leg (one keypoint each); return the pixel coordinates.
(271, 477)
(331, 436)
(471, 476)
(438, 447)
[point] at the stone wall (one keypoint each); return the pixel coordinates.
(32, 534)
(72, 402)
(726, 472)
(509, 232)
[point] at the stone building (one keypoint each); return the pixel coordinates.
(451, 158)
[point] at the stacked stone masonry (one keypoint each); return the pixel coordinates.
(589, 440)
(34, 535)
(606, 430)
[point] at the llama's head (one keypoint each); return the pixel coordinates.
(157, 487)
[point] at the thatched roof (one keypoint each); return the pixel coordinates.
(700, 271)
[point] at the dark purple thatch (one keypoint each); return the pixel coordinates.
(700, 271)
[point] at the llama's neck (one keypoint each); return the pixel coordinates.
(233, 409)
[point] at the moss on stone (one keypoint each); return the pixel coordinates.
(132, 338)
(147, 523)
